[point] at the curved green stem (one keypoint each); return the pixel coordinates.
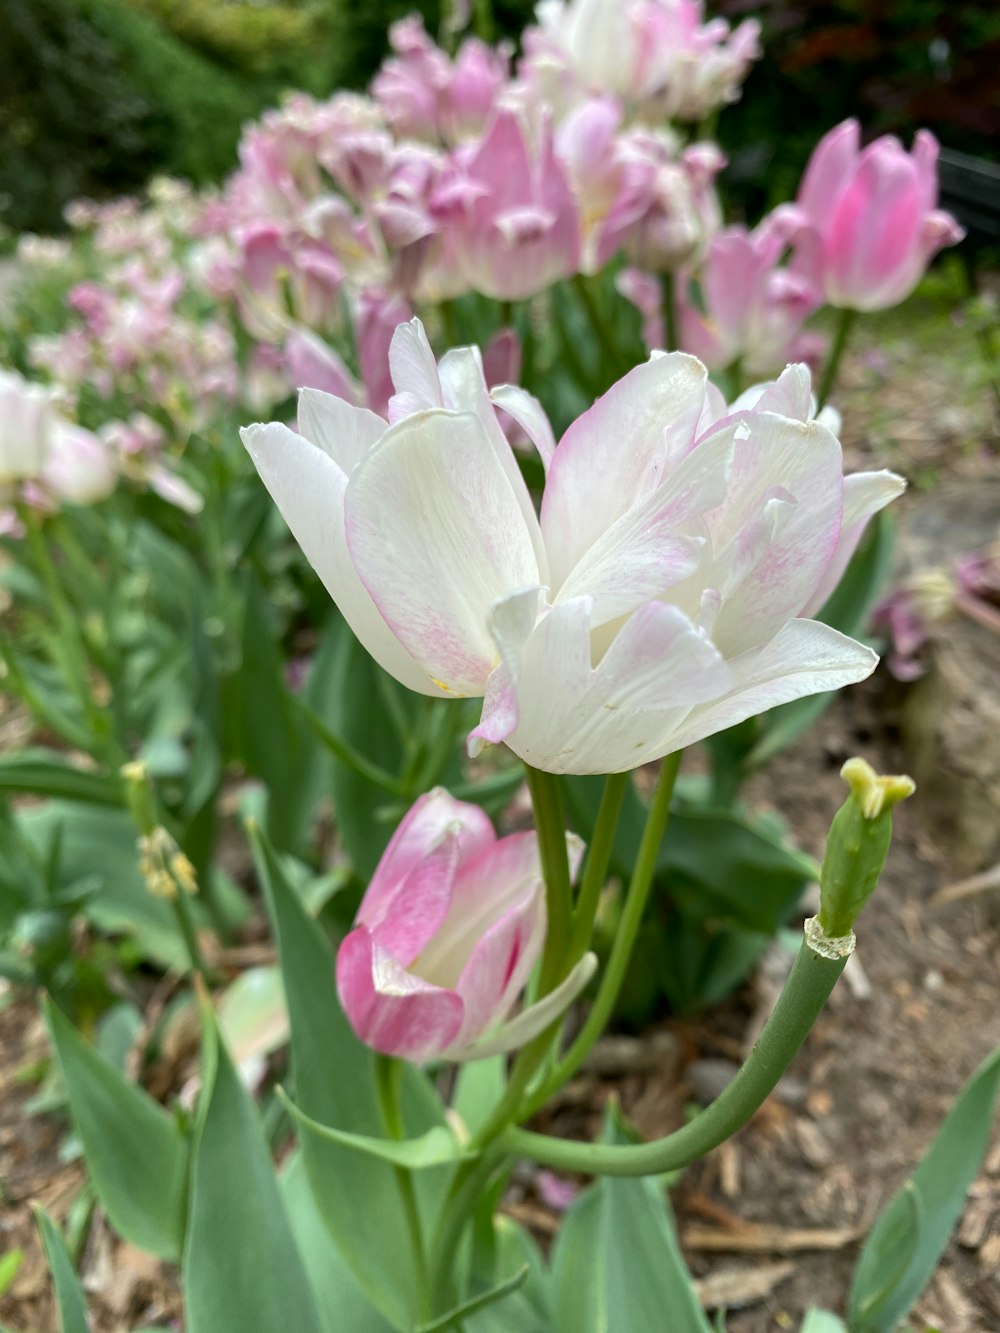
(845, 322)
(466, 1189)
(625, 937)
(388, 1079)
(809, 984)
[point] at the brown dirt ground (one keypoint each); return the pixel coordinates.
(788, 1198)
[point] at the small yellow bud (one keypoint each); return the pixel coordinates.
(875, 793)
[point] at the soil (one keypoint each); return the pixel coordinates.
(771, 1222)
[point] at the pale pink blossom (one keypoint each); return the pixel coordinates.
(682, 212)
(26, 424)
(79, 467)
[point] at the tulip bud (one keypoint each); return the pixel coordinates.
(857, 845)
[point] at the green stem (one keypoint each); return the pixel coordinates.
(625, 937)
(546, 798)
(467, 1188)
(668, 302)
(602, 332)
(845, 321)
(809, 984)
(595, 872)
(388, 1081)
(185, 921)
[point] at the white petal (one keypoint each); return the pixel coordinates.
(341, 430)
(437, 535)
(865, 493)
(536, 1018)
(529, 414)
(805, 658)
(308, 487)
(414, 372)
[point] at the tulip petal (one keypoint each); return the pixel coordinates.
(343, 431)
(411, 917)
(865, 493)
(425, 825)
(536, 1018)
(829, 170)
(776, 531)
(309, 487)
(627, 440)
(529, 414)
(437, 534)
(391, 1010)
(573, 718)
(414, 372)
(806, 657)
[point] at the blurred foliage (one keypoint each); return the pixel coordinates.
(894, 64)
(261, 39)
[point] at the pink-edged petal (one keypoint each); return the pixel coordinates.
(535, 1019)
(617, 452)
(829, 170)
(865, 493)
(343, 431)
(529, 414)
(438, 535)
(309, 488)
(574, 718)
(421, 829)
(408, 919)
(776, 531)
(501, 962)
(391, 1010)
(805, 658)
(414, 372)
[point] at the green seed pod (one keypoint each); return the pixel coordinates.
(857, 845)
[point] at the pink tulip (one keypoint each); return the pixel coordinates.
(659, 598)
(752, 310)
(682, 211)
(26, 424)
(517, 225)
(446, 938)
(873, 227)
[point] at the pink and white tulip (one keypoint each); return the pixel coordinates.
(26, 423)
(446, 938)
(873, 222)
(682, 210)
(661, 595)
(80, 466)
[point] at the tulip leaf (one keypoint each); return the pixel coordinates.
(909, 1237)
(136, 1154)
(474, 1304)
(42, 772)
(478, 1088)
(334, 1084)
(340, 1301)
(616, 1264)
(242, 1268)
(69, 1292)
(438, 1147)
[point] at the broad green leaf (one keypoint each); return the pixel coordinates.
(69, 1292)
(907, 1240)
(526, 1310)
(341, 1303)
(334, 1083)
(478, 1088)
(136, 1154)
(438, 1147)
(616, 1264)
(241, 1266)
(253, 1015)
(41, 772)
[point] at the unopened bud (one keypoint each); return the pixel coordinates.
(858, 845)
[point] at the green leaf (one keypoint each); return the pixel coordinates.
(616, 1264)
(136, 1154)
(341, 1303)
(438, 1147)
(334, 1081)
(475, 1304)
(907, 1240)
(69, 1292)
(241, 1267)
(9, 1267)
(42, 772)
(478, 1088)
